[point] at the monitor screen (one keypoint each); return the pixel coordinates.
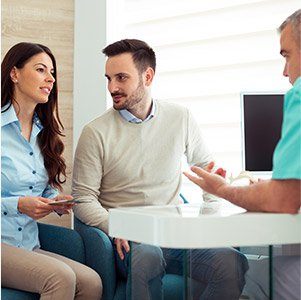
(261, 129)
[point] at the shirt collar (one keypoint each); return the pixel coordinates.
(132, 119)
(36, 120)
(297, 81)
(9, 116)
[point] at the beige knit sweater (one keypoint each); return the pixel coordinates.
(118, 163)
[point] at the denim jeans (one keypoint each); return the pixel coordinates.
(215, 274)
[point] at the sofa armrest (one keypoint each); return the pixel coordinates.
(99, 256)
(63, 241)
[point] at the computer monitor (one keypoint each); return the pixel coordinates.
(261, 129)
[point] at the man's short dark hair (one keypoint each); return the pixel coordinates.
(143, 55)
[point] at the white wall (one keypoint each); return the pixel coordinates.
(208, 52)
(89, 81)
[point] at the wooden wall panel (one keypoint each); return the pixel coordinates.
(50, 23)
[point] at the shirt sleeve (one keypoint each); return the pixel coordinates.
(87, 176)
(287, 155)
(197, 152)
(9, 206)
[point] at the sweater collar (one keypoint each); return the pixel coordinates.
(129, 117)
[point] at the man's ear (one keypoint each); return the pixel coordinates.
(149, 76)
(14, 74)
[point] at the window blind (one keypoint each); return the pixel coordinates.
(208, 53)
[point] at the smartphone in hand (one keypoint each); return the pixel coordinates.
(64, 202)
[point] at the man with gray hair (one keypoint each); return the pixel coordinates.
(281, 194)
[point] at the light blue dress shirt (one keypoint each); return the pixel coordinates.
(22, 174)
(132, 119)
(287, 155)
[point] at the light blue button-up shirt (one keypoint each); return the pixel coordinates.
(22, 174)
(132, 119)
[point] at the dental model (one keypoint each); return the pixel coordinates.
(243, 175)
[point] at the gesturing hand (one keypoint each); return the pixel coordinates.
(219, 171)
(211, 183)
(120, 243)
(35, 207)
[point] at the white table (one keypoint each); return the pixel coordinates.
(210, 225)
(216, 224)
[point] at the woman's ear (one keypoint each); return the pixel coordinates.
(149, 76)
(14, 75)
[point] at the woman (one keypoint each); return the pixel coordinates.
(32, 172)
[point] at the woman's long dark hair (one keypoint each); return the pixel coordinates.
(49, 140)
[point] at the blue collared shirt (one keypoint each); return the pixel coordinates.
(22, 174)
(132, 119)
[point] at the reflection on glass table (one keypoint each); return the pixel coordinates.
(217, 208)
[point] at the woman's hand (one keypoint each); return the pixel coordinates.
(65, 208)
(35, 207)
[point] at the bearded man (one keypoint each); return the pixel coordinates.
(131, 156)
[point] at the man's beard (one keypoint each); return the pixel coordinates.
(132, 100)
